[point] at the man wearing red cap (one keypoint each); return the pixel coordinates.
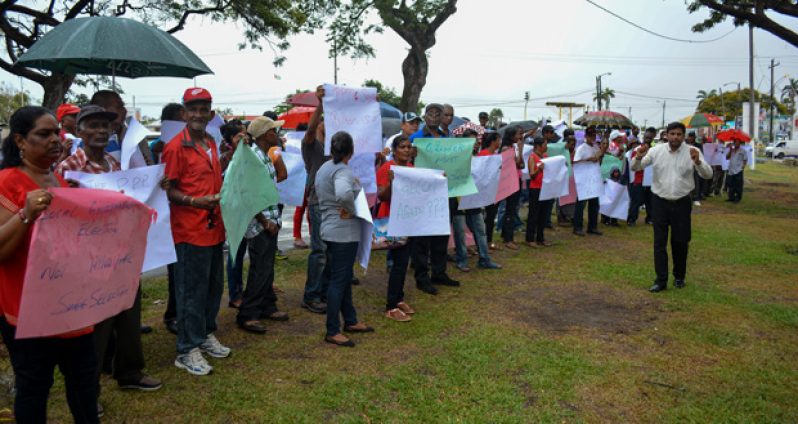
(67, 114)
(193, 169)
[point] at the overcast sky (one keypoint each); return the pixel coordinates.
(489, 53)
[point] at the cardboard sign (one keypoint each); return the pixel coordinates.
(356, 111)
(419, 203)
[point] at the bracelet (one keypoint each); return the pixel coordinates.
(21, 214)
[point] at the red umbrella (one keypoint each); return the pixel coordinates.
(296, 116)
(304, 99)
(734, 135)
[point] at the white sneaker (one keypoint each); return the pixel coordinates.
(193, 362)
(212, 347)
(697, 203)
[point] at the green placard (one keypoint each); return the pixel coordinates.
(453, 156)
(609, 162)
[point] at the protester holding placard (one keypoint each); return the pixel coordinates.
(738, 159)
(94, 124)
(536, 218)
(29, 153)
(233, 134)
(589, 151)
(193, 168)
(491, 142)
(314, 299)
(259, 300)
(674, 163)
(336, 189)
(395, 308)
(512, 140)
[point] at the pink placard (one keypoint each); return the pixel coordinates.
(571, 197)
(84, 261)
(508, 180)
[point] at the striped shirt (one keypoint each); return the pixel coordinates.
(272, 213)
(80, 162)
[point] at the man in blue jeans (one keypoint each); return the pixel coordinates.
(314, 299)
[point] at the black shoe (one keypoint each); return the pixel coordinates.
(631, 224)
(146, 329)
(579, 233)
(355, 281)
(649, 221)
(254, 327)
(315, 307)
(145, 383)
(595, 232)
(447, 282)
(656, 288)
(171, 325)
(679, 284)
(427, 288)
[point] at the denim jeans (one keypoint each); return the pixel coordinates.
(171, 306)
(316, 283)
(592, 214)
(339, 292)
(259, 299)
(199, 283)
(509, 219)
(476, 224)
(34, 361)
(736, 186)
(235, 272)
(397, 275)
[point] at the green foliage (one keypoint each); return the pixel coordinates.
(730, 104)
(11, 99)
(495, 117)
(606, 95)
(756, 13)
(386, 94)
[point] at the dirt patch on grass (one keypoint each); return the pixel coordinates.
(573, 307)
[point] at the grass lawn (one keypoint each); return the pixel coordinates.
(565, 334)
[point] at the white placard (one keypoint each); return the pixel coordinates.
(363, 214)
(130, 156)
(356, 111)
(749, 153)
(419, 203)
(486, 171)
(214, 129)
(615, 201)
(555, 178)
(713, 154)
(589, 183)
(144, 185)
(362, 166)
(292, 189)
(527, 153)
(170, 129)
(293, 141)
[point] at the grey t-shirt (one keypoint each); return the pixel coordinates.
(313, 155)
(737, 161)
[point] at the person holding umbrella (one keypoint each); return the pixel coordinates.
(674, 163)
(738, 159)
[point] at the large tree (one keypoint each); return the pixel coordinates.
(415, 22)
(730, 103)
(754, 12)
(264, 22)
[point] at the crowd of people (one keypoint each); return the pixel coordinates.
(43, 145)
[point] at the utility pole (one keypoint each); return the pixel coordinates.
(754, 125)
(772, 66)
(630, 113)
(335, 61)
(526, 103)
(722, 104)
(663, 113)
(598, 92)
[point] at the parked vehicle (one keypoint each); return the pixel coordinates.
(783, 148)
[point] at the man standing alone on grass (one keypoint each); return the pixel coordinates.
(674, 163)
(738, 159)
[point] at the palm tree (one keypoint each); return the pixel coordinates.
(790, 91)
(703, 94)
(606, 95)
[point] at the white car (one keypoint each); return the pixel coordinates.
(782, 149)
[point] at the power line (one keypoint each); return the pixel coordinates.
(681, 40)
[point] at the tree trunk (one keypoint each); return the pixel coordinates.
(414, 69)
(55, 88)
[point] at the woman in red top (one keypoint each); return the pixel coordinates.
(491, 142)
(536, 220)
(395, 308)
(29, 152)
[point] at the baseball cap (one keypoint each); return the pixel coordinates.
(434, 106)
(547, 128)
(196, 94)
(261, 125)
(483, 115)
(410, 117)
(65, 110)
(95, 111)
(615, 134)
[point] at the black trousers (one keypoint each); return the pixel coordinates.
(592, 214)
(34, 361)
(508, 219)
(396, 278)
(536, 217)
(259, 299)
(490, 220)
(429, 254)
(735, 186)
(125, 328)
(671, 216)
(647, 195)
(636, 193)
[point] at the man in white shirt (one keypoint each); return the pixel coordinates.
(674, 163)
(589, 151)
(409, 126)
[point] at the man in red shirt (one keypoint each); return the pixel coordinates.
(193, 169)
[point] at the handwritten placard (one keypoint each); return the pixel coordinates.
(555, 178)
(84, 262)
(419, 203)
(589, 183)
(144, 185)
(131, 156)
(508, 179)
(362, 166)
(485, 171)
(356, 111)
(451, 155)
(614, 202)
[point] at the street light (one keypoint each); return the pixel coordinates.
(598, 88)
